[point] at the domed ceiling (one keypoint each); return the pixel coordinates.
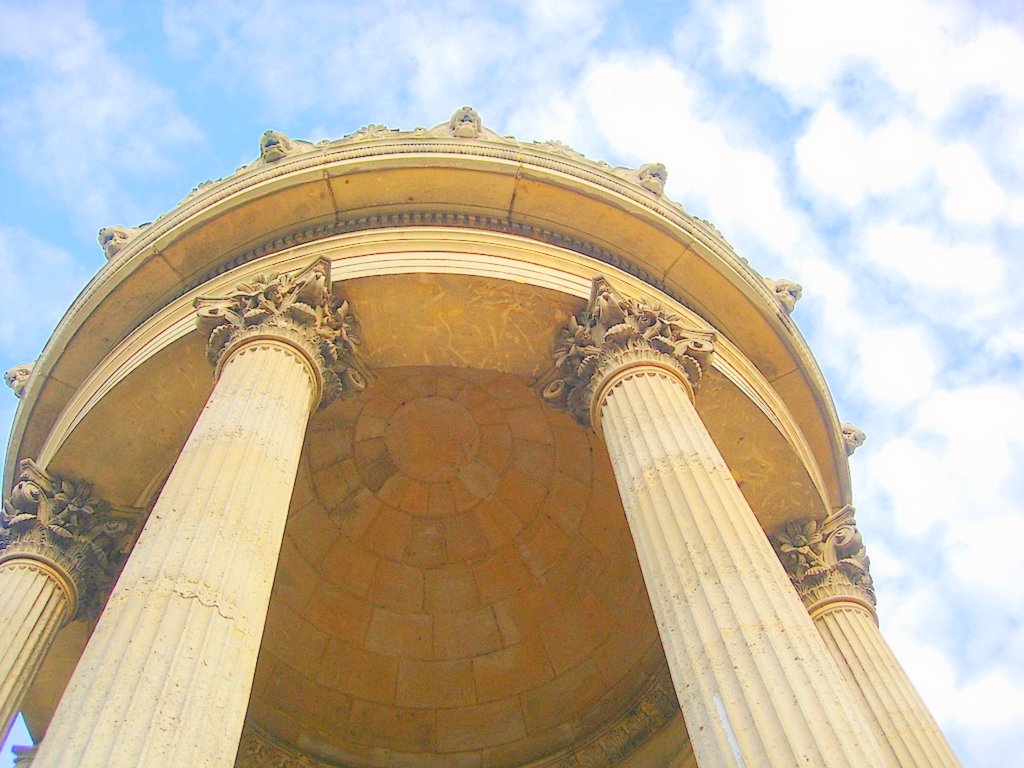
(457, 583)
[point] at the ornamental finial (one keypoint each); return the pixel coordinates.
(465, 123)
(113, 239)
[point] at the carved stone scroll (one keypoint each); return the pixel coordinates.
(826, 561)
(58, 519)
(300, 307)
(614, 331)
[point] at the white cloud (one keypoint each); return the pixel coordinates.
(933, 53)
(841, 161)
(971, 196)
(915, 254)
(898, 365)
(77, 119)
(37, 283)
(413, 62)
(957, 464)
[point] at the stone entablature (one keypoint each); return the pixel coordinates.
(289, 164)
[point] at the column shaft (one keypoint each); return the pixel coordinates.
(165, 679)
(755, 683)
(902, 723)
(35, 602)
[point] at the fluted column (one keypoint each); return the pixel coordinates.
(165, 679)
(59, 547)
(828, 564)
(754, 681)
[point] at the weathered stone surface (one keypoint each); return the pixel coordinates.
(57, 518)
(298, 307)
(787, 293)
(828, 564)
(612, 332)
(825, 560)
(853, 437)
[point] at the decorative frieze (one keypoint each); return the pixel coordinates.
(826, 561)
(57, 519)
(17, 378)
(298, 307)
(614, 332)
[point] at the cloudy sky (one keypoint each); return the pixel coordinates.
(872, 151)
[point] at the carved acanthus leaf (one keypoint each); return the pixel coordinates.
(826, 560)
(299, 305)
(612, 326)
(58, 517)
(17, 378)
(787, 293)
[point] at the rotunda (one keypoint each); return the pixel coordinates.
(437, 448)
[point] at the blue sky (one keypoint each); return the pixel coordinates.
(872, 151)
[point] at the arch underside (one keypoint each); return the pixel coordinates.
(457, 579)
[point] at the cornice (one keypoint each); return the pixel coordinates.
(380, 147)
(469, 252)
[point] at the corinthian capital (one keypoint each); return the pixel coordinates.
(299, 307)
(827, 561)
(616, 331)
(58, 520)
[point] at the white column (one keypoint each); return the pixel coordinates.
(755, 683)
(828, 565)
(36, 600)
(165, 679)
(59, 548)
